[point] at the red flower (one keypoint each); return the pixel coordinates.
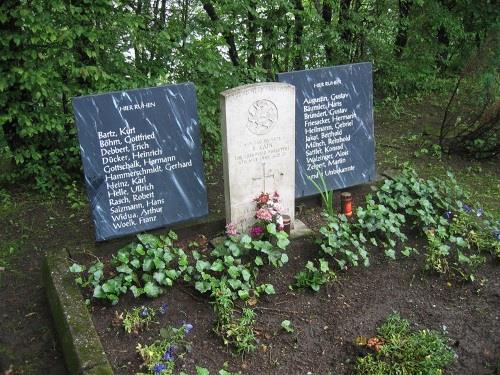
(262, 199)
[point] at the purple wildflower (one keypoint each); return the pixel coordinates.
(163, 309)
(144, 312)
(467, 208)
(479, 212)
(187, 327)
(496, 235)
(256, 231)
(169, 354)
(448, 215)
(158, 368)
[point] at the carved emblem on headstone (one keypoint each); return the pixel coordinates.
(262, 116)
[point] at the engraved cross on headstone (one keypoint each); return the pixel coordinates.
(263, 178)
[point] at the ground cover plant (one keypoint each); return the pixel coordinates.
(457, 235)
(226, 273)
(398, 350)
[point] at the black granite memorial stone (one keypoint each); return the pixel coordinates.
(333, 126)
(142, 158)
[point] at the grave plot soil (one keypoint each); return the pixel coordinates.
(325, 323)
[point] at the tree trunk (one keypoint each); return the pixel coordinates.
(268, 40)
(344, 27)
(326, 14)
(252, 34)
(402, 33)
(228, 35)
(298, 61)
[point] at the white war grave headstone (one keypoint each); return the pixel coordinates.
(258, 132)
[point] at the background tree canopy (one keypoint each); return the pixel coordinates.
(53, 50)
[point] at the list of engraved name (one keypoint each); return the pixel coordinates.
(130, 156)
(328, 125)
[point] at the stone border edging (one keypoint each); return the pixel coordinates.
(82, 349)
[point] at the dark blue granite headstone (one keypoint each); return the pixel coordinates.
(141, 157)
(333, 126)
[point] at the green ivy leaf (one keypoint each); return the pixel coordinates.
(159, 264)
(391, 253)
(217, 266)
(202, 265)
(243, 294)
(258, 261)
(149, 240)
(76, 268)
(152, 290)
(124, 268)
(202, 371)
(139, 249)
(135, 263)
(137, 292)
(233, 271)
(202, 286)
(234, 283)
(147, 265)
(159, 277)
(98, 292)
(287, 326)
(269, 289)
(172, 274)
(245, 274)
(323, 265)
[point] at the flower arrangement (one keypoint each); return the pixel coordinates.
(268, 210)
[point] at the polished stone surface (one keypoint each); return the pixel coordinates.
(258, 148)
(142, 158)
(334, 135)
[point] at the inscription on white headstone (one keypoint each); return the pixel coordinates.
(258, 128)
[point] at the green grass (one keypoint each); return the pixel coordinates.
(410, 138)
(405, 352)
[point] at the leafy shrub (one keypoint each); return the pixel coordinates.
(238, 260)
(145, 268)
(456, 235)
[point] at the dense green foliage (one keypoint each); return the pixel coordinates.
(457, 236)
(403, 352)
(228, 272)
(154, 263)
(54, 50)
